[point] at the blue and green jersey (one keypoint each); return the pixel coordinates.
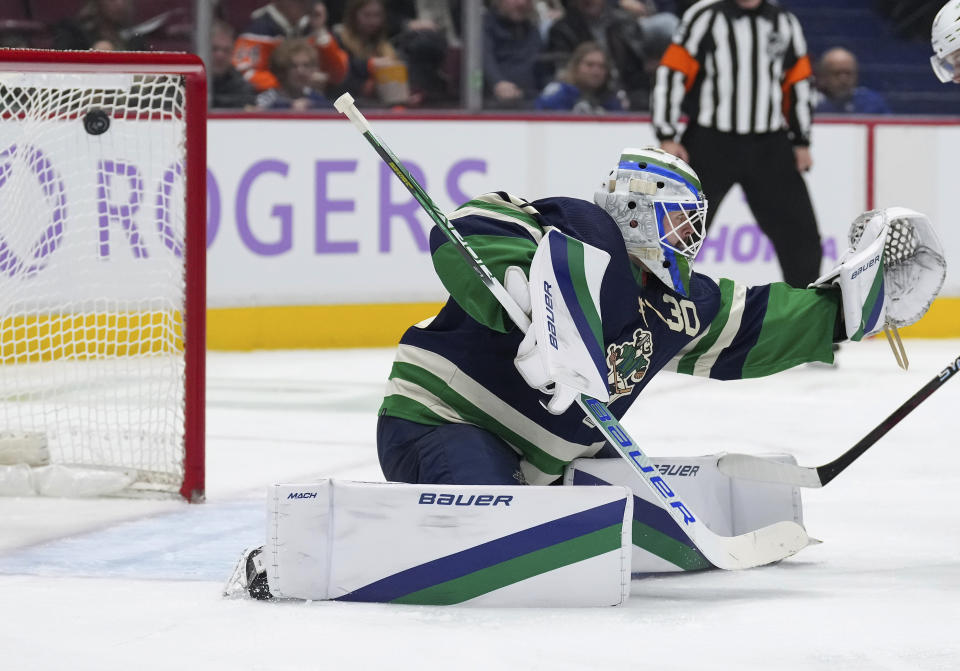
(458, 367)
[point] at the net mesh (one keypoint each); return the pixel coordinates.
(92, 274)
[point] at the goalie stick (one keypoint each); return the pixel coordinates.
(756, 548)
(755, 468)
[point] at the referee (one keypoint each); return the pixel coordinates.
(739, 70)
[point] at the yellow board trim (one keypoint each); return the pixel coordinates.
(97, 335)
(941, 321)
(335, 326)
(313, 326)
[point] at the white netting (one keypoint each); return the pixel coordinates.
(92, 276)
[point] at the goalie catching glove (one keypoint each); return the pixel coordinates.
(562, 352)
(891, 273)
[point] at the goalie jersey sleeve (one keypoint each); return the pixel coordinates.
(761, 330)
(458, 367)
(504, 231)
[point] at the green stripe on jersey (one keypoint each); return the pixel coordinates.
(709, 339)
(575, 259)
(496, 204)
(396, 405)
(471, 414)
(797, 328)
(466, 287)
(519, 568)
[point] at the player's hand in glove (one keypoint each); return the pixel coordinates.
(891, 273)
(556, 355)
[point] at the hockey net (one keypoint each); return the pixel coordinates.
(102, 245)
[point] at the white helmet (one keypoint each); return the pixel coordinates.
(658, 203)
(945, 40)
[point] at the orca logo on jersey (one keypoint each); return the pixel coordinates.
(551, 323)
(949, 370)
(628, 362)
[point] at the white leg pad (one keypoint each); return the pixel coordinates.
(445, 544)
(728, 506)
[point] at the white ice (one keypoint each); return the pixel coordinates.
(110, 584)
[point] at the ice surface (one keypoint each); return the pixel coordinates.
(109, 584)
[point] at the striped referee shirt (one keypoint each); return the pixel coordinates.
(736, 71)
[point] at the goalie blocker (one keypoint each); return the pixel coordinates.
(496, 545)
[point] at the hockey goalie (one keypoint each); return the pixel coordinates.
(480, 419)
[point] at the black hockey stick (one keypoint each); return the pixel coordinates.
(757, 468)
(763, 546)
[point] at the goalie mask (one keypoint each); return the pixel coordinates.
(658, 203)
(945, 40)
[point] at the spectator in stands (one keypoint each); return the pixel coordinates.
(656, 24)
(617, 33)
(512, 71)
(98, 23)
(583, 87)
(837, 86)
(13, 40)
(423, 42)
(442, 15)
(375, 72)
(228, 87)
(548, 13)
(281, 20)
(676, 7)
(911, 18)
(295, 64)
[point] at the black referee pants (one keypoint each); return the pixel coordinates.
(765, 168)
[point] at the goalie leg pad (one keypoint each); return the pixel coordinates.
(728, 506)
(449, 544)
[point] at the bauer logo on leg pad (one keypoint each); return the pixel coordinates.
(430, 498)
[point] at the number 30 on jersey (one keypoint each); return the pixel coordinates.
(682, 315)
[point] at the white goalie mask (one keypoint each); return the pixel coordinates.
(658, 203)
(945, 40)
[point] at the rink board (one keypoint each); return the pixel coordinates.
(316, 244)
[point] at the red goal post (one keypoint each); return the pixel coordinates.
(102, 265)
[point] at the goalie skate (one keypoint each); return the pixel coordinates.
(249, 577)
